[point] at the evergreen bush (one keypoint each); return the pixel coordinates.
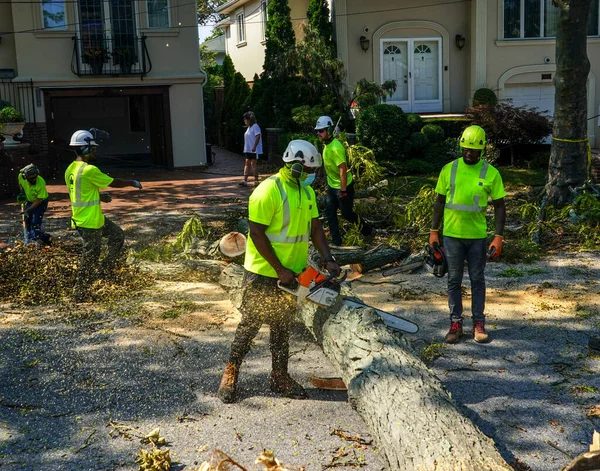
(419, 141)
(485, 96)
(415, 122)
(383, 128)
(453, 127)
(433, 132)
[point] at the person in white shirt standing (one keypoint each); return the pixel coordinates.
(252, 147)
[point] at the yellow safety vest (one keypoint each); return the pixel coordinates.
(84, 182)
(287, 209)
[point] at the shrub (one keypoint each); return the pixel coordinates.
(417, 167)
(415, 122)
(419, 141)
(433, 132)
(383, 128)
(453, 127)
(507, 125)
(8, 114)
(539, 160)
(485, 96)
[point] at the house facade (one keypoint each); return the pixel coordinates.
(245, 28)
(128, 67)
(439, 53)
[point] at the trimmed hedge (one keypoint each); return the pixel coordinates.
(453, 127)
(383, 128)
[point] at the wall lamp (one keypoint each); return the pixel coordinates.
(460, 40)
(364, 43)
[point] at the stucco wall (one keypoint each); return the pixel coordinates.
(522, 62)
(390, 20)
(249, 56)
(7, 48)
(187, 125)
(47, 54)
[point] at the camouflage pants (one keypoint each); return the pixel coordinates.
(92, 245)
(263, 302)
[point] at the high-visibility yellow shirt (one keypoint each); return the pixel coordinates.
(288, 210)
(34, 192)
(467, 189)
(84, 182)
(334, 155)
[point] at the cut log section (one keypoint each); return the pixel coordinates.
(414, 420)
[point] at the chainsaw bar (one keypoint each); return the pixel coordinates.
(391, 320)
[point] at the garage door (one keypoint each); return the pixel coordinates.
(535, 95)
(540, 96)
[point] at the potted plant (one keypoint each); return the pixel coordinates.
(125, 57)
(12, 122)
(95, 57)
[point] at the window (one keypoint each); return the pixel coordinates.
(241, 29)
(158, 13)
(264, 16)
(525, 19)
(53, 14)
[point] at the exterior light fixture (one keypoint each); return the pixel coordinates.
(460, 41)
(364, 43)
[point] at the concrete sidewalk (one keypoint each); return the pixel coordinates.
(208, 192)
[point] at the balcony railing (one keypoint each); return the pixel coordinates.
(116, 56)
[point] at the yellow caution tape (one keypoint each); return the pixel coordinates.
(589, 150)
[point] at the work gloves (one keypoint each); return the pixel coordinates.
(343, 194)
(495, 248)
(105, 197)
(136, 184)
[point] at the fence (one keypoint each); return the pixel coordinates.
(19, 95)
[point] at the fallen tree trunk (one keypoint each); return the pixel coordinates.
(416, 423)
(367, 259)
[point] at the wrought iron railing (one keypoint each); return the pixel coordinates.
(117, 55)
(19, 95)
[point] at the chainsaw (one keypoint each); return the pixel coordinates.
(324, 290)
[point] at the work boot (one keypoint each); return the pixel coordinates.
(479, 333)
(282, 383)
(454, 333)
(228, 387)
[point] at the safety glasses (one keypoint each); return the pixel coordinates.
(321, 131)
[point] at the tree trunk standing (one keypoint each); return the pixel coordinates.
(568, 159)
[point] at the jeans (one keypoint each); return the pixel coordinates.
(474, 252)
(33, 223)
(345, 205)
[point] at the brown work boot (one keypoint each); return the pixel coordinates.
(479, 333)
(282, 383)
(454, 333)
(228, 387)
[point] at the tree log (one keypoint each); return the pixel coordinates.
(414, 420)
(367, 259)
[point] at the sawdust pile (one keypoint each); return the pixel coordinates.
(40, 275)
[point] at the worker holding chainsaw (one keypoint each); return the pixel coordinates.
(283, 218)
(463, 189)
(84, 182)
(340, 184)
(34, 202)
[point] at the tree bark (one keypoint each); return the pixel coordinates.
(568, 157)
(414, 420)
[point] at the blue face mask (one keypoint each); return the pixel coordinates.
(308, 180)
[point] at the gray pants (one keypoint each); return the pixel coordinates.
(263, 302)
(92, 245)
(474, 252)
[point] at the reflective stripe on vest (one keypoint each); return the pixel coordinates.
(474, 208)
(78, 203)
(282, 237)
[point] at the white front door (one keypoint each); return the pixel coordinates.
(415, 65)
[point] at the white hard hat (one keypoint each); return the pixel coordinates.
(82, 138)
(232, 244)
(323, 122)
(302, 151)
